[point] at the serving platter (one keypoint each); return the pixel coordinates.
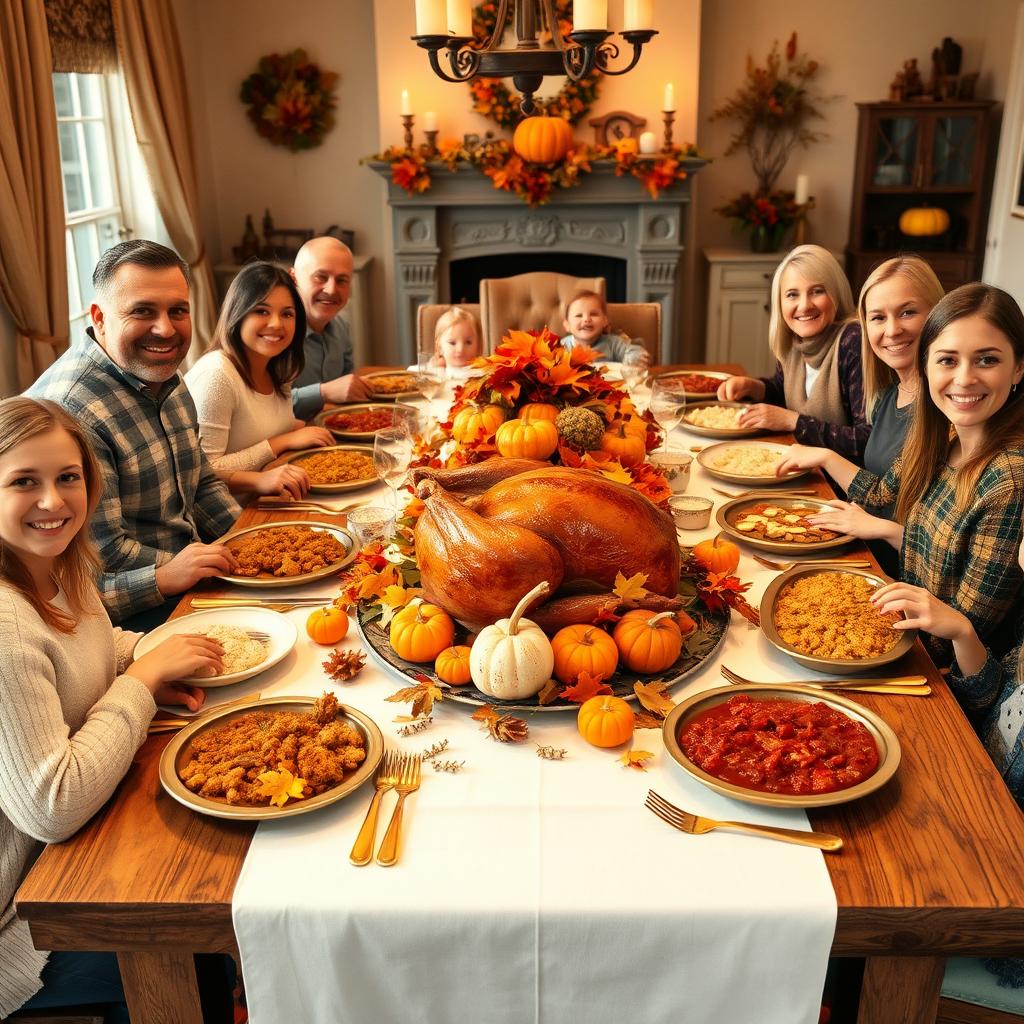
(697, 648)
(707, 457)
(722, 432)
(729, 514)
(339, 533)
(832, 666)
(282, 633)
(697, 396)
(390, 396)
(888, 744)
(176, 754)
(394, 409)
(296, 458)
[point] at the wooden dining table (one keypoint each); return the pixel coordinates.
(932, 865)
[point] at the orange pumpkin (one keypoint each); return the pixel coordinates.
(628, 448)
(605, 721)
(477, 422)
(526, 439)
(542, 140)
(538, 411)
(452, 666)
(583, 648)
(648, 642)
(420, 631)
(924, 221)
(327, 625)
(717, 555)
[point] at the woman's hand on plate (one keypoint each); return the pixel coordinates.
(768, 417)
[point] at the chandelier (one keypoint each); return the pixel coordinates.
(448, 26)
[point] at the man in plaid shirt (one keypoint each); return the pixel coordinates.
(161, 503)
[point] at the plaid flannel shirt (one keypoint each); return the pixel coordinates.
(159, 491)
(966, 558)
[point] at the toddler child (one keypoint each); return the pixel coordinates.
(457, 342)
(586, 321)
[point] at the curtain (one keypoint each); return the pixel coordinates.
(81, 35)
(33, 268)
(154, 76)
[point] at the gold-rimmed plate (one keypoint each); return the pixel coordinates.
(393, 410)
(888, 744)
(732, 513)
(176, 755)
(343, 536)
(833, 666)
(710, 457)
(398, 384)
(677, 380)
(301, 458)
(723, 432)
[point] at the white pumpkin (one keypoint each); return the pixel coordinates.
(513, 658)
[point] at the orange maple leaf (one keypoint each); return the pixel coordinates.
(585, 687)
(636, 759)
(652, 696)
(280, 786)
(631, 588)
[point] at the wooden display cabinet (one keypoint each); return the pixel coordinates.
(913, 154)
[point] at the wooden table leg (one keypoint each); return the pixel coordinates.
(161, 987)
(900, 990)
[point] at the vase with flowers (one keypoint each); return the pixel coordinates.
(767, 215)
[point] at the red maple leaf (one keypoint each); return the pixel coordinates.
(585, 687)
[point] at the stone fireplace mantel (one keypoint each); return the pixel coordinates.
(462, 215)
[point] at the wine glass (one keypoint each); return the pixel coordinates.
(634, 367)
(392, 453)
(430, 379)
(667, 407)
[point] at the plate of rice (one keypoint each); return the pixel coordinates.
(244, 656)
(717, 419)
(747, 462)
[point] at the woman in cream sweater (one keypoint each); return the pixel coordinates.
(74, 707)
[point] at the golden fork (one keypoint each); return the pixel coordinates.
(303, 505)
(173, 724)
(841, 562)
(408, 783)
(902, 686)
(810, 491)
(386, 778)
(282, 604)
(694, 824)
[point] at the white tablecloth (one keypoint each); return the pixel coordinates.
(530, 890)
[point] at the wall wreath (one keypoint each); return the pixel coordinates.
(494, 99)
(290, 100)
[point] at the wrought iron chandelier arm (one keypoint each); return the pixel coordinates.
(609, 51)
(463, 60)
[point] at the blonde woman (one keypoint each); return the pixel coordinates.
(817, 392)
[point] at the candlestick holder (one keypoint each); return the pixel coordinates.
(430, 146)
(668, 116)
(407, 123)
(800, 230)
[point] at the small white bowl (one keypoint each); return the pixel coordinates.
(675, 466)
(691, 512)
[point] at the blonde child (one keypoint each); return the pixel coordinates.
(456, 340)
(586, 323)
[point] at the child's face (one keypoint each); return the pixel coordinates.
(586, 321)
(459, 345)
(807, 307)
(268, 328)
(43, 497)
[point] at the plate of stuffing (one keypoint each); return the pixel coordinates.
(823, 619)
(271, 759)
(287, 553)
(833, 750)
(390, 385)
(244, 655)
(695, 385)
(746, 462)
(717, 419)
(360, 422)
(779, 524)
(336, 468)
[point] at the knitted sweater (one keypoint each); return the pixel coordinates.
(69, 727)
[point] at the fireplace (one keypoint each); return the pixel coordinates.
(465, 275)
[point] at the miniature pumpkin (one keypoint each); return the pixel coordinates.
(924, 221)
(717, 555)
(513, 659)
(538, 411)
(605, 721)
(648, 642)
(421, 631)
(583, 648)
(477, 422)
(327, 625)
(542, 140)
(526, 439)
(452, 666)
(627, 447)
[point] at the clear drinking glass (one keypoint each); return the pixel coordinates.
(634, 367)
(392, 453)
(667, 407)
(430, 380)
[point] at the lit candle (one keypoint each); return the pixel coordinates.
(590, 15)
(669, 102)
(648, 143)
(431, 18)
(639, 14)
(802, 190)
(429, 121)
(460, 18)
(406, 107)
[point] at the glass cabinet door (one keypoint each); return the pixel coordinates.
(895, 151)
(954, 139)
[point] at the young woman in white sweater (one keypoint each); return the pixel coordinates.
(74, 706)
(242, 386)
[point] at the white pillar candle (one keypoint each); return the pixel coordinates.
(431, 18)
(802, 191)
(669, 102)
(648, 143)
(639, 14)
(406, 107)
(589, 15)
(460, 17)
(429, 121)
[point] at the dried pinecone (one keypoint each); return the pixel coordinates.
(342, 665)
(580, 429)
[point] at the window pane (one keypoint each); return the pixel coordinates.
(75, 302)
(62, 94)
(109, 228)
(71, 166)
(78, 326)
(89, 95)
(98, 157)
(87, 252)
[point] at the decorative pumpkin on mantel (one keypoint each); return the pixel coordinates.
(542, 139)
(924, 221)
